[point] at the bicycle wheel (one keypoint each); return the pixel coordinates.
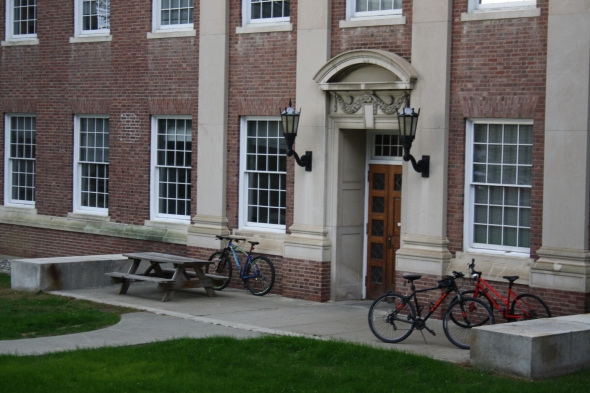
(529, 307)
(264, 270)
(391, 319)
(220, 267)
(480, 295)
(463, 315)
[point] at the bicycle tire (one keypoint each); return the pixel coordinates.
(221, 266)
(262, 284)
(391, 318)
(529, 304)
(480, 295)
(463, 315)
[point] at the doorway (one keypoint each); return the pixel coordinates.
(383, 227)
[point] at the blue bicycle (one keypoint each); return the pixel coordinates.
(257, 273)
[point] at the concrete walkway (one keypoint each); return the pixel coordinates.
(236, 313)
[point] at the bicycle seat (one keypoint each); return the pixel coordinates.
(253, 243)
(411, 276)
(511, 278)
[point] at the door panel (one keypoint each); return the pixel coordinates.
(383, 227)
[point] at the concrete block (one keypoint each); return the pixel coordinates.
(62, 273)
(536, 349)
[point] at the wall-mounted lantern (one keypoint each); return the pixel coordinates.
(289, 124)
(408, 122)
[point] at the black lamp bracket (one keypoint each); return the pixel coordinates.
(422, 166)
(303, 161)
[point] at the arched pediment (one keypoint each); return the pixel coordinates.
(366, 70)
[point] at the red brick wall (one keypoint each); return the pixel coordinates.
(262, 71)
(498, 70)
(396, 39)
(129, 78)
(308, 280)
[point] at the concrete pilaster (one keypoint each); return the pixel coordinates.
(564, 258)
(424, 209)
(211, 219)
(308, 238)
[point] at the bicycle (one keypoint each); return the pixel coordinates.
(393, 317)
(523, 307)
(257, 273)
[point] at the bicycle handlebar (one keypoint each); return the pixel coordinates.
(471, 266)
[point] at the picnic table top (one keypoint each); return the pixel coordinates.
(164, 258)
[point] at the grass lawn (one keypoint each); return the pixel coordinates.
(267, 364)
(29, 314)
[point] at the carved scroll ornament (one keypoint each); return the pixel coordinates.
(388, 105)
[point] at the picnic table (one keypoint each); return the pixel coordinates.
(168, 279)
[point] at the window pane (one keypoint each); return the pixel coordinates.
(501, 215)
(265, 166)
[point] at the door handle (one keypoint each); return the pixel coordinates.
(389, 239)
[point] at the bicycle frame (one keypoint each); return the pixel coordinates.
(483, 286)
(432, 309)
(242, 269)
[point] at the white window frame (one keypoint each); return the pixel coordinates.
(247, 14)
(8, 201)
(10, 36)
(474, 5)
(243, 190)
(374, 159)
(157, 21)
(468, 209)
(78, 23)
(155, 215)
(78, 208)
(352, 14)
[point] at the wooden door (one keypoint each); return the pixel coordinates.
(383, 227)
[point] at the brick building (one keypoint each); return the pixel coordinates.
(153, 125)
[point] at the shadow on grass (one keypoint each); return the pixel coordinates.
(39, 314)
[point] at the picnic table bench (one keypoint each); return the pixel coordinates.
(168, 279)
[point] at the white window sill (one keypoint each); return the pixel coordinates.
(89, 216)
(29, 41)
(95, 38)
(501, 14)
(22, 209)
(368, 22)
(264, 28)
(172, 34)
(177, 225)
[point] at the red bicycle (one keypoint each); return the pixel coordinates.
(523, 307)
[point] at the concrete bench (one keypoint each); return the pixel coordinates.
(62, 273)
(536, 349)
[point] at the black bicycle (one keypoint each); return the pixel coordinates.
(258, 273)
(393, 317)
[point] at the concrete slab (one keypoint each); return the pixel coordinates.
(534, 349)
(62, 273)
(273, 314)
(135, 328)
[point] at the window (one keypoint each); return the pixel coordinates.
(93, 17)
(498, 185)
(373, 8)
(173, 15)
(19, 180)
(21, 19)
(263, 172)
(266, 11)
(484, 5)
(91, 160)
(385, 146)
(171, 168)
